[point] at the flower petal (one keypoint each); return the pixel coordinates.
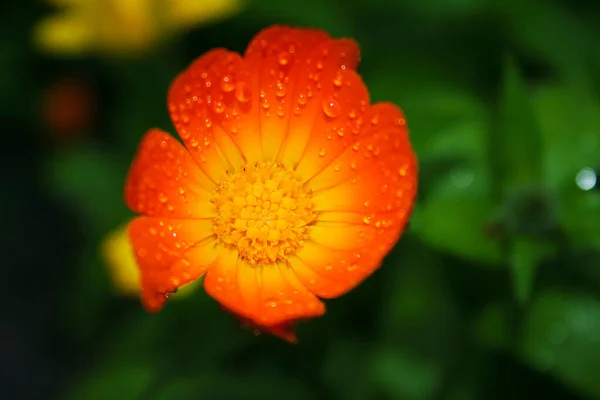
(267, 296)
(339, 257)
(337, 124)
(211, 108)
(171, 253)
(165, 181)
(277, 58)
(376, 174)
(300, 74)
(364, 199)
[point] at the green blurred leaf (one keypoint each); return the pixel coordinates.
(403, 376)
(492, 326)
(569, 118)
(519, 145)
(560, 337)
(458, 225)
(580, 217)
(308, 13)
(126, 380)
(524, 257)
(344, 359)
(552, 33)
(92, 182)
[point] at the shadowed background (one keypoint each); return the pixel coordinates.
(492, 293)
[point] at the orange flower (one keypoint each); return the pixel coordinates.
(290, 187)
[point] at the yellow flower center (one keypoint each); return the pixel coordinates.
(264, 212)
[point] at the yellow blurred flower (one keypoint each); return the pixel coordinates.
(118, 256)
(123, 26)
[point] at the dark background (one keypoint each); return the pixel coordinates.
(492, 293)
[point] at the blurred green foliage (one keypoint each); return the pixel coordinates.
(492, 293)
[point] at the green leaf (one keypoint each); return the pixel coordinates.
(458, 225)
(123, 380)
(580, 217)
(314, 13)
(345, 358)
(517, 141)
(92, 183)
(524, 257)
(552, 33)
(560, 337)
(569, 118)
(403, 376)
(492, 326)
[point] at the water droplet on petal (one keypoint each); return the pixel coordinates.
(162, 197)
(331, 108)
(227, 84)
(219, 107)
(283, 58)
(367, 220)
(242, 92)
(322, 152)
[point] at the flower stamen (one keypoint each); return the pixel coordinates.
(263, 211)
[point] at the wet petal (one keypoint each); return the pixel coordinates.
(277, 58)
(210, 105)
(335, 129)
(376, 174)
(364, 199)
(171, 253)
(165, 181)
(307, 102)
(267, 296)
(341, 255)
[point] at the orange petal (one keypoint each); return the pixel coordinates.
(211, 108)
(364, 199)
(267, 296)
(170, 253)
(376, 174)
(285, 330)
(338, 258)
(277, 59)
(337, 124)
(165, 181)
(298, 94)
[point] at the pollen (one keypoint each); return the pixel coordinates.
(264, 212)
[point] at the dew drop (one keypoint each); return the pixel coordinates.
(242, 92)
(227, 84)
(302, 99)
(219, 107)
(367, 220)
(162, 197)
(375, 119)
(331, 108)
(337, 81)
(283, 58)
(337, 167)
(322, 152)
